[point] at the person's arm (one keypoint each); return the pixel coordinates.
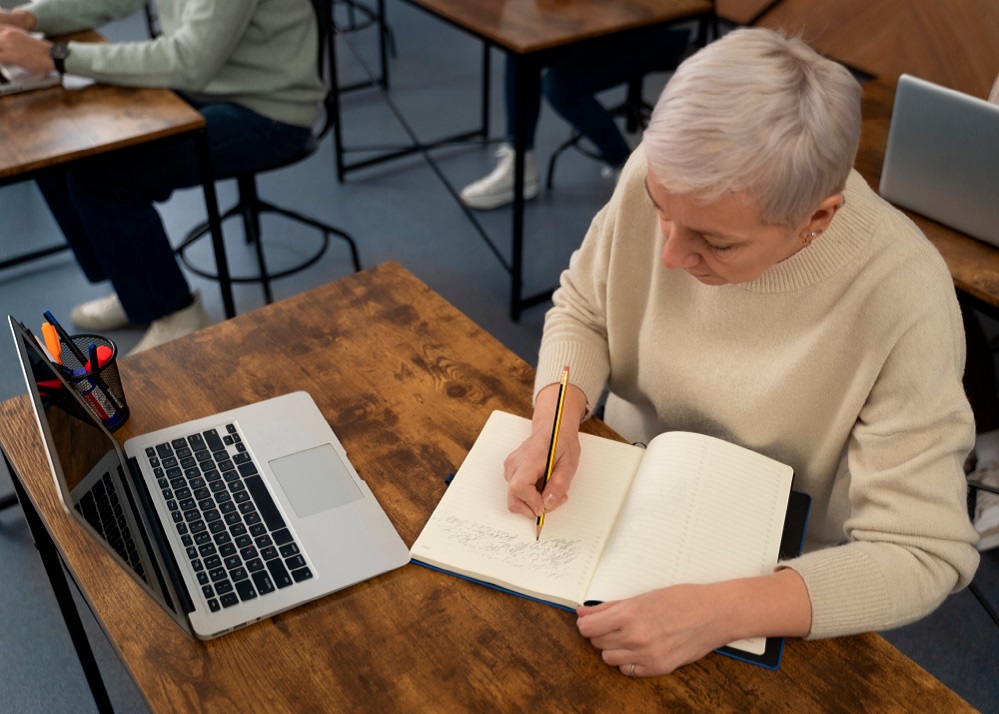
(665, 629)
(60, 17)
(186, 59)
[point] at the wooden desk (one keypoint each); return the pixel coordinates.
(406, 381)
(952, 43)
(973, 265)
(47, 129)
(531, 32)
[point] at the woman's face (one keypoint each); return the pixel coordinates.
(720, 242)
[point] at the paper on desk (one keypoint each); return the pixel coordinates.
(75, 81)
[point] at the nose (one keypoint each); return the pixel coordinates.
(679, 250)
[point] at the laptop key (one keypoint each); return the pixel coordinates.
(229, 599)
(295, 562)
(279, 573)
(245, 590)
(301, 574)
(265, 503)
(283, 536)
(213, 440)
(262, 579)
(223, 586)
(213, 605)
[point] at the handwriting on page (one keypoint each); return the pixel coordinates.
(552, 556)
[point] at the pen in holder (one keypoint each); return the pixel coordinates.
(96, 379)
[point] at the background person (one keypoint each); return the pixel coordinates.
(249, 67)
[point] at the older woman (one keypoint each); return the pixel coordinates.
(744, 282)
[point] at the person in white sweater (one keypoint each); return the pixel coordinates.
(249, 66)
(744, 282)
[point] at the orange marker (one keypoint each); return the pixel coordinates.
(52, 342)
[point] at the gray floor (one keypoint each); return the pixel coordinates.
(401, 212)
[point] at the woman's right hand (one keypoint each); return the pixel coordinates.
(525, 466)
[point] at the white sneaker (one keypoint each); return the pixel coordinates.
(496, 189)
(104, 313)
(986, 520)
(183, 322)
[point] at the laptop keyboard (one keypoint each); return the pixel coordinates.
(102, 509)
(235, 536)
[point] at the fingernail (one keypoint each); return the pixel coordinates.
(550, 500)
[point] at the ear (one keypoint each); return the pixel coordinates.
(820, 219)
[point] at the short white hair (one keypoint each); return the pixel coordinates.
(757, 112)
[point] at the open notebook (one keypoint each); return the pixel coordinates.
(689, 509)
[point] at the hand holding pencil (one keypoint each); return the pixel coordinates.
(525, 469)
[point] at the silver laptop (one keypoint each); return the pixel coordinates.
(15, 79)
(225, 520)
(942, 158)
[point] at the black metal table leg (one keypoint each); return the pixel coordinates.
(64, 597)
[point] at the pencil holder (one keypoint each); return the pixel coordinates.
(98, 385)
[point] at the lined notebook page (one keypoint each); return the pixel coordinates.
(701, 510)
(471, 532)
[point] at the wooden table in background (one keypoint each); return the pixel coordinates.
(949, 42)
(973, 265)
(47, 129)
(407, 382)
(531, 33)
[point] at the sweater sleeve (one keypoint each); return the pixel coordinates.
(909, 542)
(575, 331)
(57, 17)
(187, 59)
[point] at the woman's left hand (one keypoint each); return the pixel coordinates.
(659, 631)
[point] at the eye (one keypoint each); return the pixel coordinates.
(717, 248)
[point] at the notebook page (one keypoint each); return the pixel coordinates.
(472, 532)
(700, 510)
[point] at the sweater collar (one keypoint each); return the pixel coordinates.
(843, 241)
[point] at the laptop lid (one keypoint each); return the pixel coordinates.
(95, 484)
(942, 157)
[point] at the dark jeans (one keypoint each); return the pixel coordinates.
(105, 206)
(571, 81)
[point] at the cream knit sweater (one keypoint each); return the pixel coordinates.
(844, 361)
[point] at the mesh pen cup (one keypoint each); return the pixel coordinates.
(99, 385)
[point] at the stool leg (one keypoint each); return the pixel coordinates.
(250, 201)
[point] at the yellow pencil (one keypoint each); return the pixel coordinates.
(563, 387)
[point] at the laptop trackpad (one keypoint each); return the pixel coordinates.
(315, 480)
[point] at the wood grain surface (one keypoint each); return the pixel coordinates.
(406, 381)
(525, 26)
(950, 42)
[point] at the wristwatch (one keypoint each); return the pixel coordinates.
(59, 51)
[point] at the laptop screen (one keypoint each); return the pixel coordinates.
(92, 474)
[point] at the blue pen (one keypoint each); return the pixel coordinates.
(67, 340)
